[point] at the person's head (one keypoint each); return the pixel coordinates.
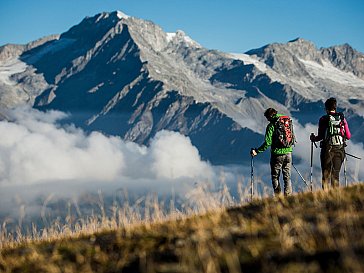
(330, 105)
(270, 113)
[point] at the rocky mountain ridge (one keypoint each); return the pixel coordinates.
(125, 76)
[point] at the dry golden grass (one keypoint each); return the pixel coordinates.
(307, 232)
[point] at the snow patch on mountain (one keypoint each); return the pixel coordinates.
(247, 59)
(264, 68)
(311, 85)
(122, 15)
(327, 71)
(9, 68)
(180, 36)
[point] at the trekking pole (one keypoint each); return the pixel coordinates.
(252, 179)
(311, 186)
(300, 174)
(345, 160)
(353, 156)
(346, 180)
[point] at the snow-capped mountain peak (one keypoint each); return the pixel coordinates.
(122, 15)
(180, 37)
(125, 76)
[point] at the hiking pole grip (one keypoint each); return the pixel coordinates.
(312, 136)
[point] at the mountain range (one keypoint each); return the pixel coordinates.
(125, 76)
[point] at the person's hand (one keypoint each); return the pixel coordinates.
(253, 152)
(312, 137)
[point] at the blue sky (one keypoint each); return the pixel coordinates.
(226, 25)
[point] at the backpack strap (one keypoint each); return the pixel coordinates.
(341, 114)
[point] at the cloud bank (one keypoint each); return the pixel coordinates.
(42, 162)
(34, 149)
(44, 166)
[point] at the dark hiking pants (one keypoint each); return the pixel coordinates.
(332, 158)
(278, 163)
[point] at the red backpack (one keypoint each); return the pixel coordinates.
(283, 135)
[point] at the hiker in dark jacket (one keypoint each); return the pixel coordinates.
(281, 157)
(333, 131)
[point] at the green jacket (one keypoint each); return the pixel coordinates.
(268, 141)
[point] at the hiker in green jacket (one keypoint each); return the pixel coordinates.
(281, 154)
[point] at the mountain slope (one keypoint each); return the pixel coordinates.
(309, 232)
(126, 76)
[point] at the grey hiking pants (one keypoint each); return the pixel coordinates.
(278, 163)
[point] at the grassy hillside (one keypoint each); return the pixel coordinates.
(308, 232)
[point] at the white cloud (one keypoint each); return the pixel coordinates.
(33, 149)
(39, 158)
(174, 156)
